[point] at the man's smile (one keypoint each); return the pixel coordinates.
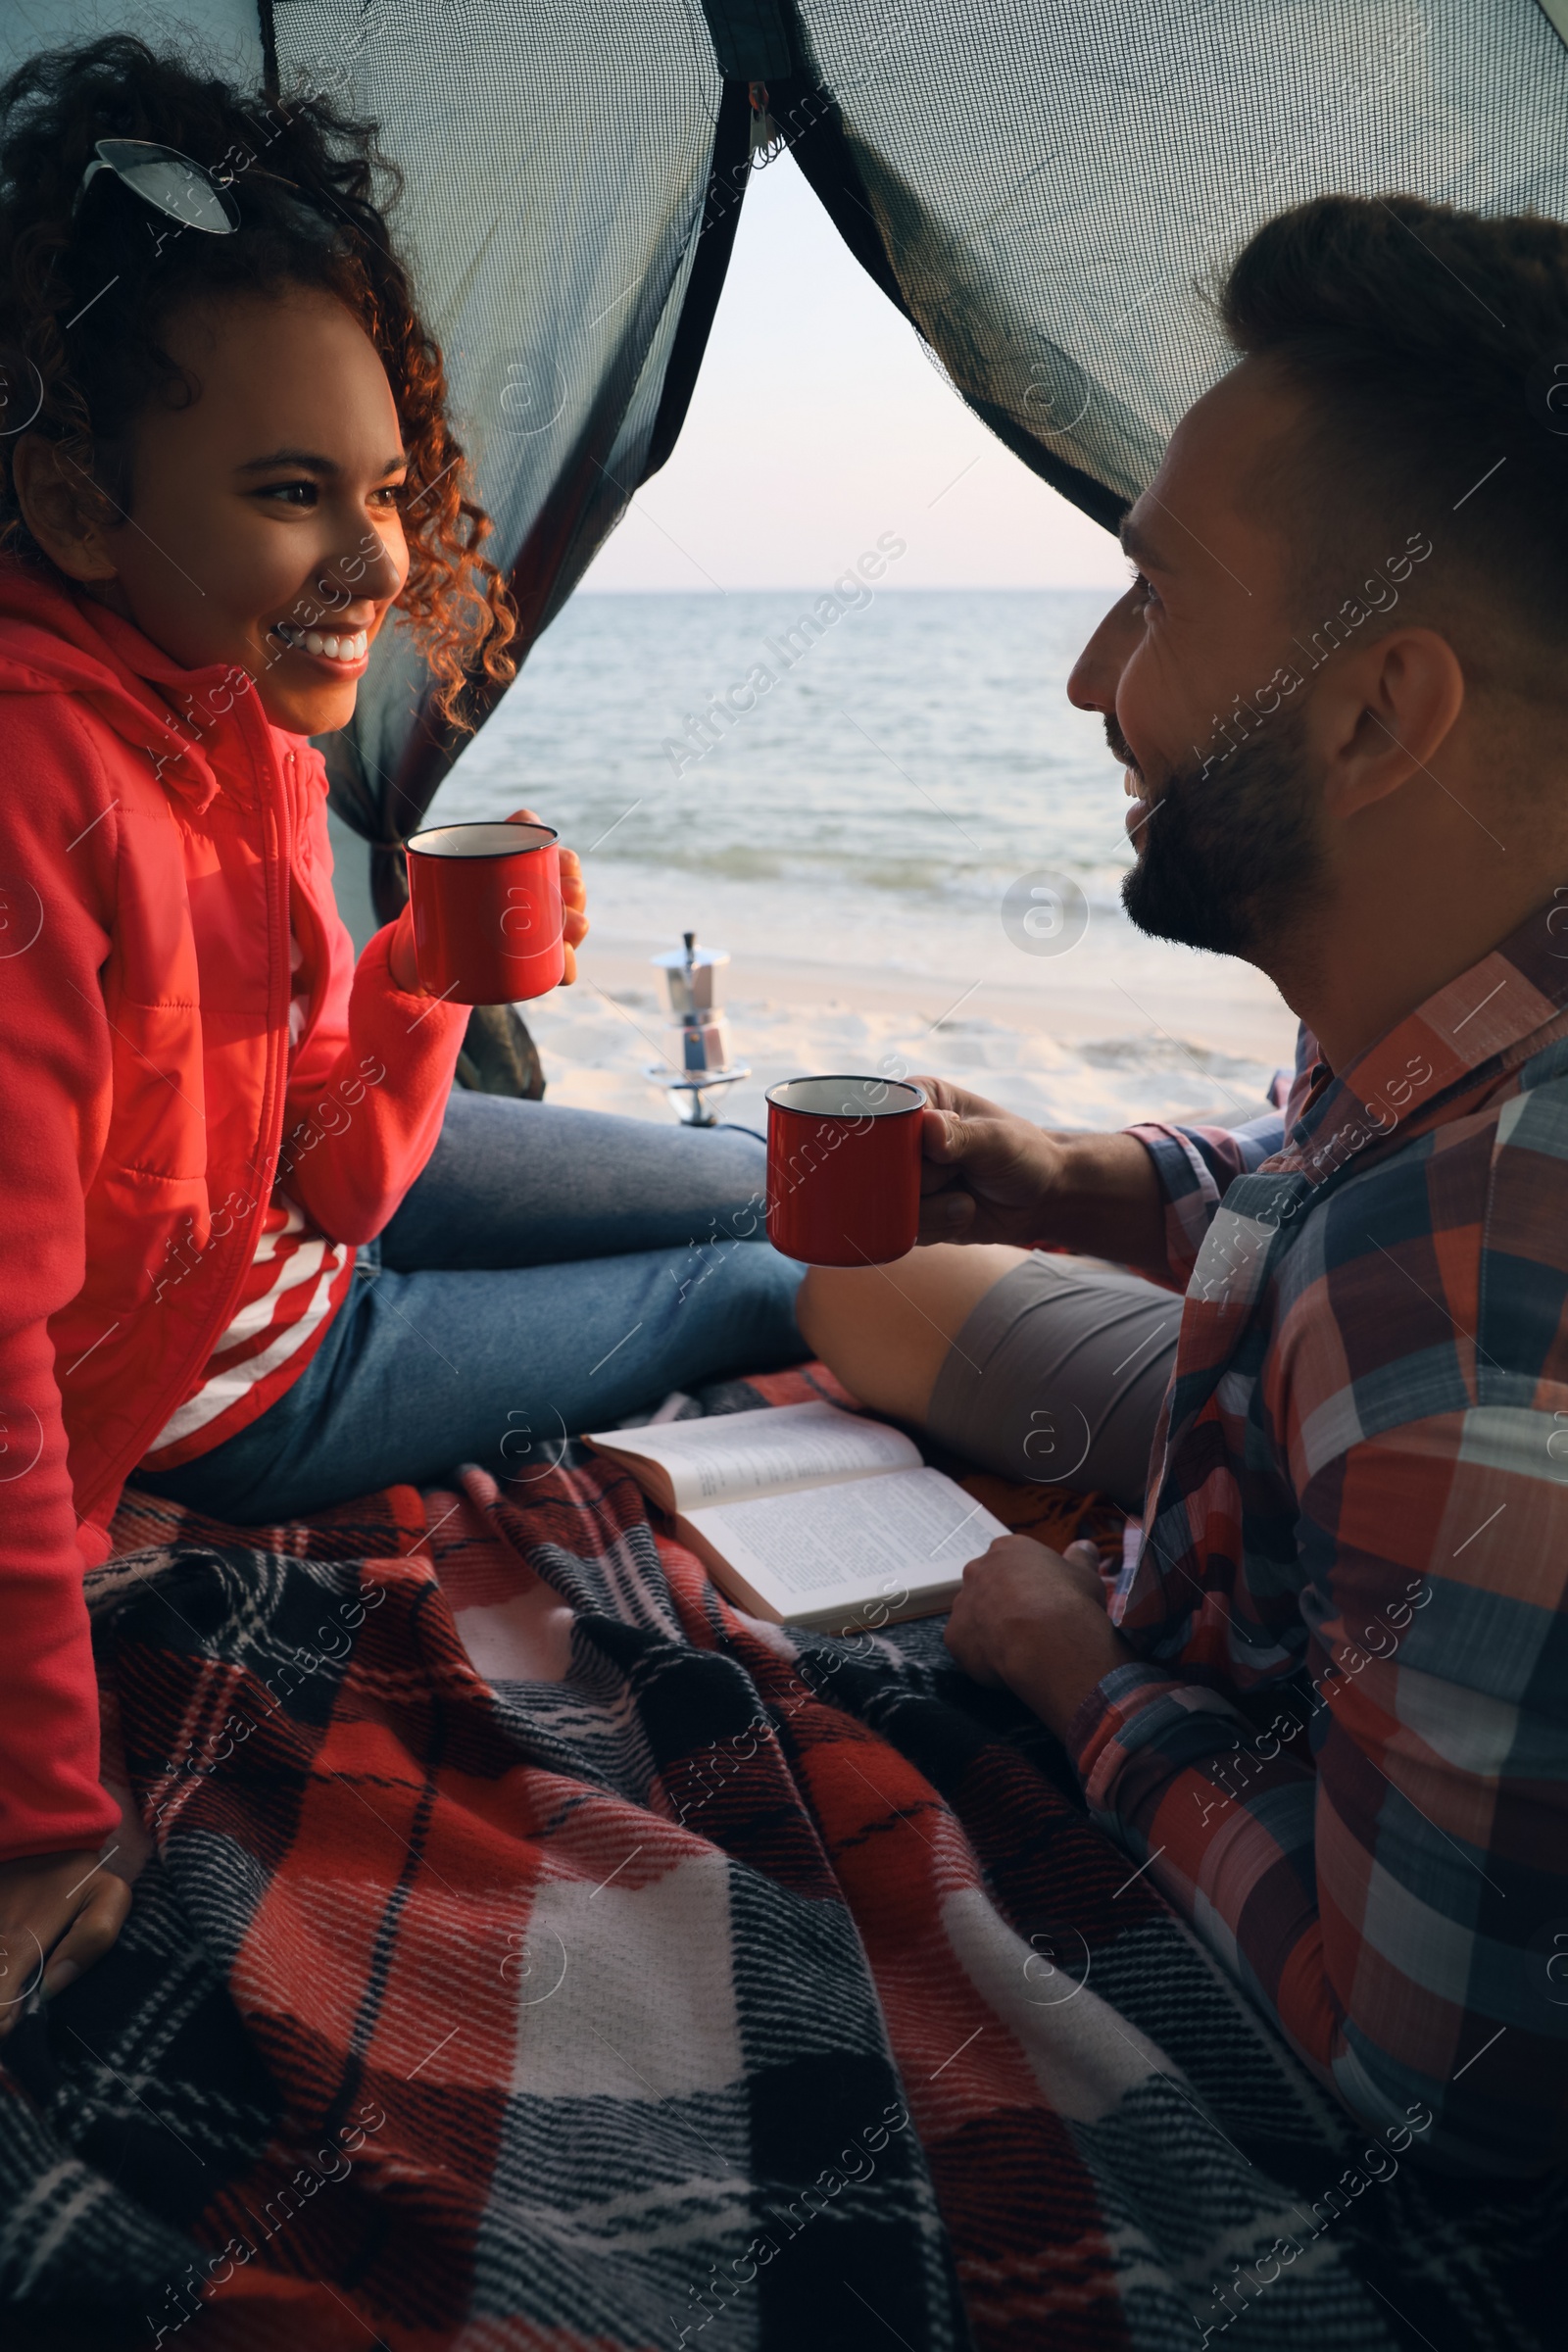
(1140, 797)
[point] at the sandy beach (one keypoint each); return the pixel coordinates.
(1070, 1052)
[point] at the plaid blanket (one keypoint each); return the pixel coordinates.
(530, 1950)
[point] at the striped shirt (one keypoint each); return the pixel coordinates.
(1343, 1748)
(296, 1283)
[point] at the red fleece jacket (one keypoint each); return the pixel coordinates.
(151, 820)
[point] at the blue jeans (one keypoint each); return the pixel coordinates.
(550, 1271)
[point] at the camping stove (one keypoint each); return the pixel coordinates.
(699, 1048)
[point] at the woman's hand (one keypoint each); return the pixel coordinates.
(59, 1913)
(400, 957)
(573, 895)
(1034, 1620)
(574, 927)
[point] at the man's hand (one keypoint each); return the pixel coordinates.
(986, 1176)
(59, 1913)
(1034, 1620)
(574, 927)
(990, 1176)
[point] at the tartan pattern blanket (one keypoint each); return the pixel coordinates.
(530, 1950)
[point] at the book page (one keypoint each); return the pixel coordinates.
(725, 1456)
(859, 1542)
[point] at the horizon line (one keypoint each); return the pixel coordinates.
(587, 587)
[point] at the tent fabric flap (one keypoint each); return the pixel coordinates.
(1051, 185)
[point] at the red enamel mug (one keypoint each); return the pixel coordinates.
(486, 900)
(844, 1169)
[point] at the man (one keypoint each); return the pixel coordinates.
(1326, 1700)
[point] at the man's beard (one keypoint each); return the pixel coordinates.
(1232, 859)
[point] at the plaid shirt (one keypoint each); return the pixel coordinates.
(1345, 1746)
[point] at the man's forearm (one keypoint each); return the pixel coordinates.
(1056, 1673)
(1107, 1200)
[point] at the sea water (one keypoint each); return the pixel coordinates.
(866, 792)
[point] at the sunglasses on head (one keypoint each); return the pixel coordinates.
(169, 180)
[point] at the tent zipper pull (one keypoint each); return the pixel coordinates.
(766, 133)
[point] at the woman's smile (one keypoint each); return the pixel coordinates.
(345, 653)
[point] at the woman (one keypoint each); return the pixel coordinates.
(252, 1253)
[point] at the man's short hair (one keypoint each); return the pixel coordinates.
(1422, 341)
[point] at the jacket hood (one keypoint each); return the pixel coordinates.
(53, 641)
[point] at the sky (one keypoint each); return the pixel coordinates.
(818, 426)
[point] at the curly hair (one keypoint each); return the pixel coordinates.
(1430, 346)
(87, 289)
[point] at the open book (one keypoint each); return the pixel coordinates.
(807, 1515)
